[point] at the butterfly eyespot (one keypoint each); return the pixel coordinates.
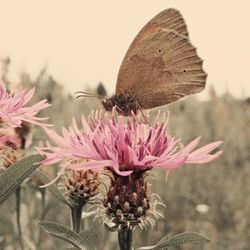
(184, 71)
(159, 50)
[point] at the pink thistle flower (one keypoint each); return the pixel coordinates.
(13, 110)
(123, 145)
(9, 145)
(8, 137)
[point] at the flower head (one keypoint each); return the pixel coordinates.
(129, 203)
(9, 145)
(13, 109)
(82, 185)
(127, 148)
(9, 138)
(124, 145)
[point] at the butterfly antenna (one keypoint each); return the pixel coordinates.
(87, 94)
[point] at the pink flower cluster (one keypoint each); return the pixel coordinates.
(13, 109)
(123, 145)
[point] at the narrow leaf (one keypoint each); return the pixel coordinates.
(178, 240)
(52, 188)
(164, 239)
(90, 238)
(146, 248)
(63, 233)
(183, 238)
(12, 177)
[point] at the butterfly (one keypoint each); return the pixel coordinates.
(160, 67)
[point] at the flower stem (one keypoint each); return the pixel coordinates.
(76, 216)
(125, 238)
(18, 203)
(43, 193)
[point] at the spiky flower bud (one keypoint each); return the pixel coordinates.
(8, 156)
(125, 196)
(81, 185)
(10, 146)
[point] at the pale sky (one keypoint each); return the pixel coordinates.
(84, 42)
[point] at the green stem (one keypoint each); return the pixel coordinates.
(18, 203)
(76, 216)
(125, 238)
(43, 193)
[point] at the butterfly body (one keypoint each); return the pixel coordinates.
(124, 104)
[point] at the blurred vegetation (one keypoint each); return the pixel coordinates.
(222, 187)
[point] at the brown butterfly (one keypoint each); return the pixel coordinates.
(160, 67)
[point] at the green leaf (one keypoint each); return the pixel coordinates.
(178, 240)
(13, 176)
(63, 233)
(90, 238)
(183, 238)
(52, 187)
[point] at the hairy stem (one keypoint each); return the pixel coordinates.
(18, 203)
(43, 193)
(76, 216)
(125, 238)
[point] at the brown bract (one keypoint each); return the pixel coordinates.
(127, 200)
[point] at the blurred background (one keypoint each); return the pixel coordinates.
(61, 47)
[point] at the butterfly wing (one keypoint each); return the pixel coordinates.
(169, 19)
(161, 66)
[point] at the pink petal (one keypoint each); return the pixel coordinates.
(59, 174)
(208, 148)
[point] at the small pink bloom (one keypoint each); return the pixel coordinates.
(8, 137)
(13, 110)
(123, 145)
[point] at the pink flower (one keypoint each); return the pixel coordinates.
(8, 137)
(12, 110)
(123, 145)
